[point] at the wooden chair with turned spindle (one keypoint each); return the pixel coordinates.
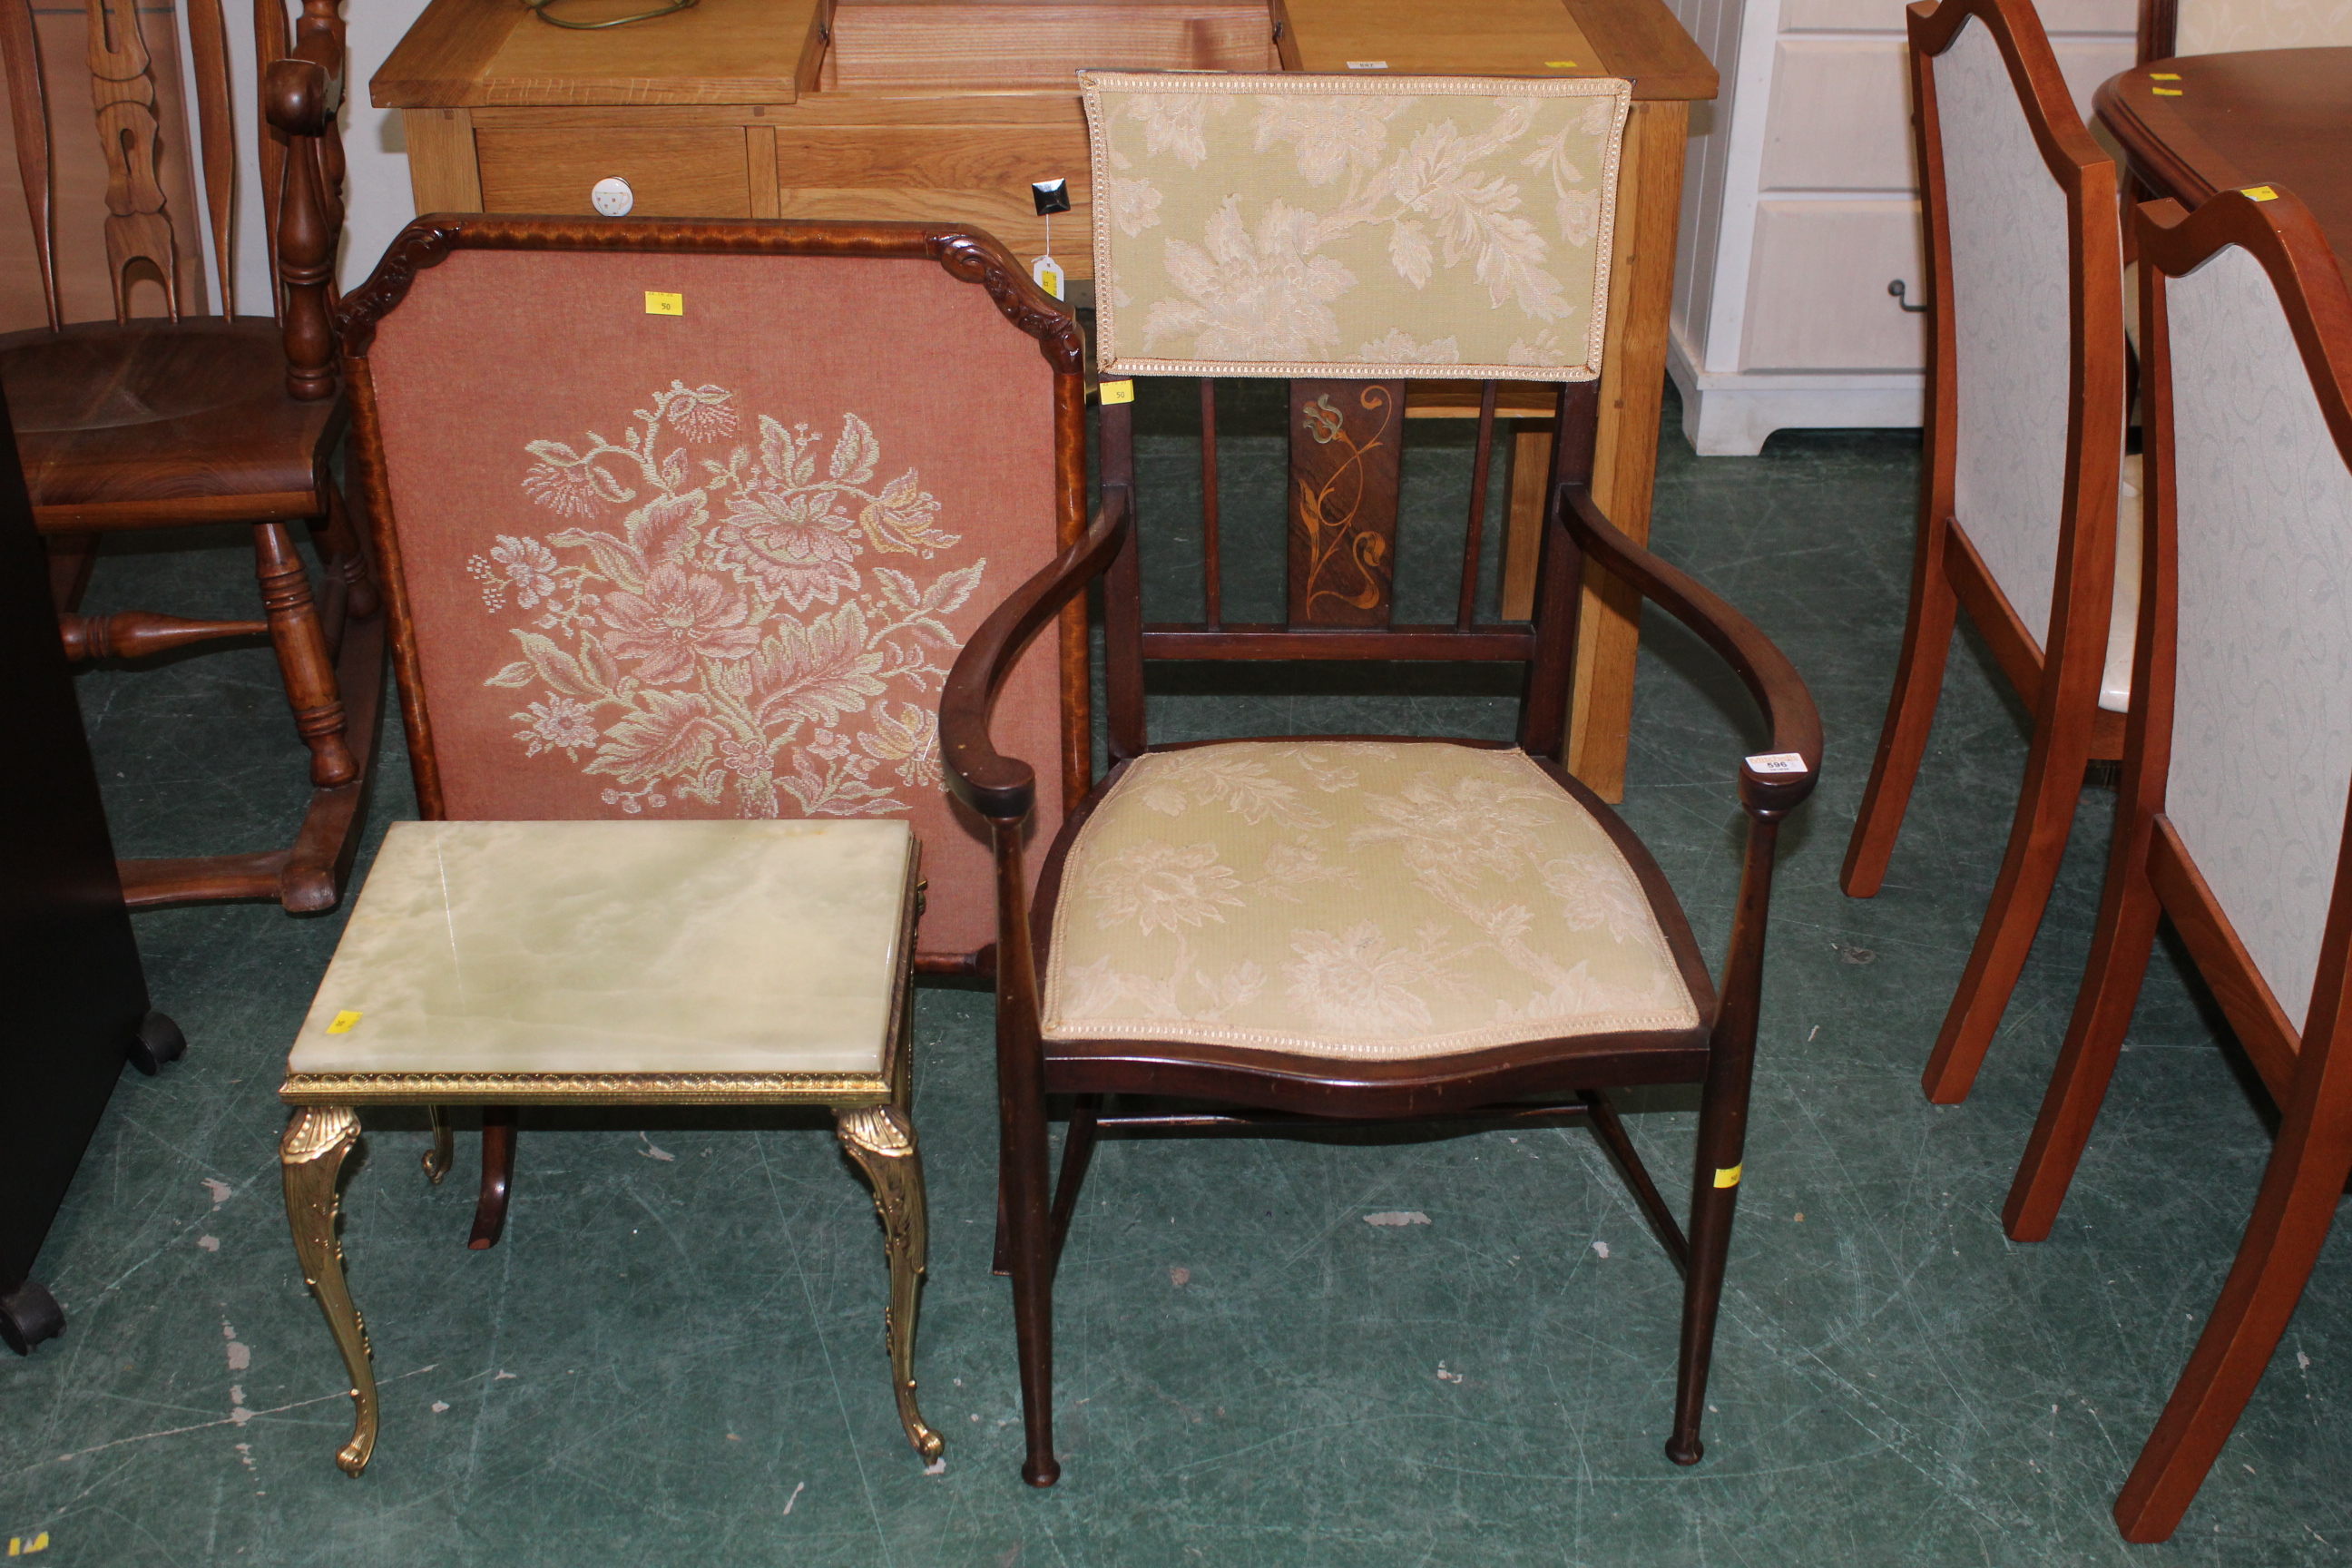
(144, 423)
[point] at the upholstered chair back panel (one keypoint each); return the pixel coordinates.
(716, 562)
(2223, 27)
(2011, 333)
(1385, 227)
(2261, 745)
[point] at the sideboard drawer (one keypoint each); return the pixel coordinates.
(672, 172)
(1817, 299)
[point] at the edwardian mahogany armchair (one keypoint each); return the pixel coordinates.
(690, 519)
(133, 424)
(2025, 475)
(1350, 930)
(2237, 765)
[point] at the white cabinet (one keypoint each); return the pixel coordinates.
(1800, 205)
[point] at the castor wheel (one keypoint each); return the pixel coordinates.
(29, 1314)
(158, 1041)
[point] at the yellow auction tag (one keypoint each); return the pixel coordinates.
(2164, 76)
(343, 1022)
(2260, 193)
(660, 304)
(1560, 64)
(1729, 1175)
(1118, 392)
(2166, 92)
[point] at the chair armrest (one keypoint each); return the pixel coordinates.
(1000, 787)
(1763, 668)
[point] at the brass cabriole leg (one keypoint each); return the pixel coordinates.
(445, 1146)
(311, 1158)
(882, 1140)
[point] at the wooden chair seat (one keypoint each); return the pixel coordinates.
(155, 423)
(1359, 902)
(589, 963)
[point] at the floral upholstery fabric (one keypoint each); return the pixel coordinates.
(715, 564)
(1396, 226)
(1355, 899)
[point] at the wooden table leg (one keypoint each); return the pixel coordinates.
(1633, 360)
(881, 1139)
(311, 1158)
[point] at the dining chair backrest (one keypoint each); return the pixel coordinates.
(2173, 28)
(690, 520)
(2254, 487)
(144, 238)
(2001, 147)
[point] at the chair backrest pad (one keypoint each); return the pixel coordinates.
(2012, 327)
(1285, 224)
(714, 563)
(2262, 738)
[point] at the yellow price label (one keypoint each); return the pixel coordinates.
(1560, 64)
(1118, 392)
(2166, 92)
(1729, 1175)
(343, 1022)
(2164, 76)
(2260, 193)
(660, 304)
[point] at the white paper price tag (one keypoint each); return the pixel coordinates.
(1048, 274)
(1776, 763)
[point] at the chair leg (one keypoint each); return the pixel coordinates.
(2292, 1217)
(1910, 712)
(339, 547)
(2029, 870)
(1715, 1194)
(1077, 1153)
(1611, 1131)
(2103, 1012)
(497, 1176)
(303, 661)
(881, 1139)
(1028, 1231)
(311, 1158)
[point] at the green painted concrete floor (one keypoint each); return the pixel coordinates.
(675, 1356)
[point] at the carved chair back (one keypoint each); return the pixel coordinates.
(1347, 234)
(144, 239)
(690, 519)
(2248, 750)
(2025, 413)
(2170, 27)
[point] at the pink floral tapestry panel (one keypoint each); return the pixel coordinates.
(716, 562)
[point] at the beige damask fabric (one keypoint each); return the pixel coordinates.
(1403, 226)
(1355, 899)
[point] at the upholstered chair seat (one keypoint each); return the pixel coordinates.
(1357, 899)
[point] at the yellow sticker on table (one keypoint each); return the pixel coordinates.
(1729, 1175)
(1560, 64)
(1118, 392)
(2260, 193)
(343, 1022)
(2166, 92)
(660, 304)
(2164, 76)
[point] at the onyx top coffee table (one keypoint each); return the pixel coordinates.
(616, 964)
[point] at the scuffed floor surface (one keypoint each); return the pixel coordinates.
(676, 1356)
